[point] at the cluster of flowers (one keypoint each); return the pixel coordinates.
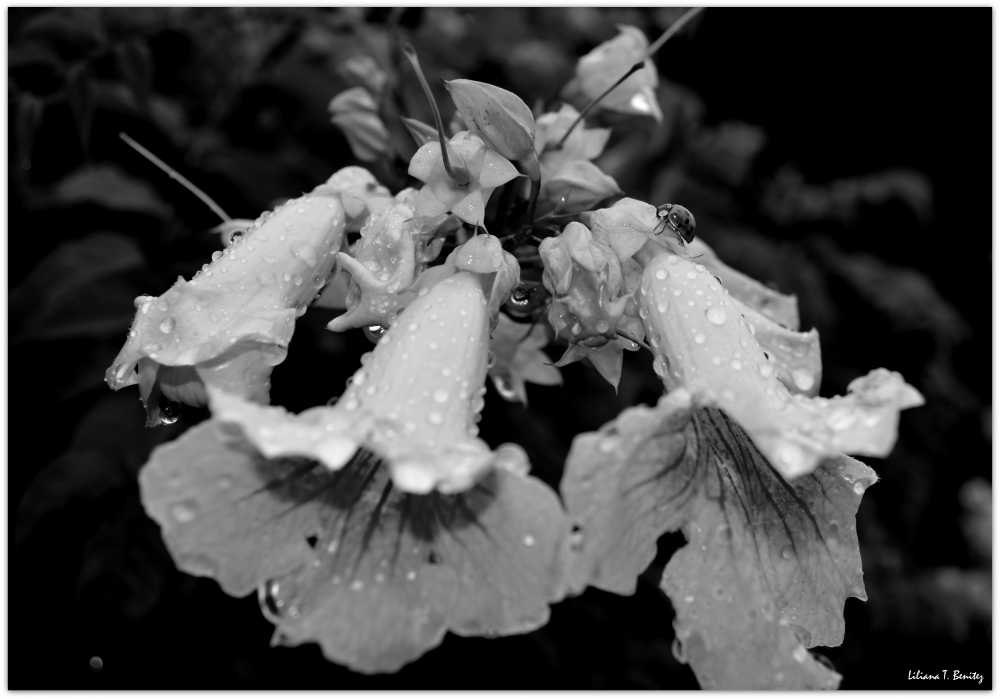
(376, 524)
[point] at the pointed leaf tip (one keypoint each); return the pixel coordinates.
(500, 117)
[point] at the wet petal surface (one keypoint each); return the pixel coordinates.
(768, 564)
(373, 575)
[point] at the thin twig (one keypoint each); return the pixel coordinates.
(174, 175)
(459, 175)
(671, 30)
(594, 102)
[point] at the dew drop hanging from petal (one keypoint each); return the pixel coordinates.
(374, 332)
(170, 411)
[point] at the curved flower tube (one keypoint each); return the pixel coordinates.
(416, 398)
(231, 324)
(706, 346)
(590, 299)
(629, 223)
(440, 194)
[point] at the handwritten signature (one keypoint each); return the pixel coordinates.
(943, 675)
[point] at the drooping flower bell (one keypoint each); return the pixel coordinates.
(591, 297)
(415, 400)
(705, 344)
(231, 324)
(440, 194)
(600, 68)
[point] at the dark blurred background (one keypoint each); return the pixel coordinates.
(843, 155)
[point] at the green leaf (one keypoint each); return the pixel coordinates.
(123, 565)
(107, 449)
(29, 117)
(77, 29)
(80, 94)
(500, 117)
(135, 61)
(106, 185)
(62, 296)
(768, 564)
(373, 575)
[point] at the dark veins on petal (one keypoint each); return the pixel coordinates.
(374, 575)
(768, 563)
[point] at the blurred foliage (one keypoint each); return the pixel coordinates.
(236, 100)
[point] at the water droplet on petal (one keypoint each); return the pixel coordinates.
(440, 396)
(859, 487)
(374, 332)
(787, 552)
(504, 386)
(167, 325)
(661, 274)
(803, 379)
(699, 338)
(184, 511)
(305, 252)
(716, 316)
(435, 418)
(170, 411)
(529, 540)
(216, 255)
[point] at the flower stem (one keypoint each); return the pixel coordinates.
(174, 175)
(633, 339)
(460, 177)
(671, 30)
(536, 186)
(593, 104)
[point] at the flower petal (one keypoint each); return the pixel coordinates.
(519, 358)
(496, 170)
(247, 299)
(794, 356)
(626, 226)
(706, 346)
(413, 402)
(375, 576)
(471, 209)
(781, 308)
(768, 564)
(578, 185)
(359, 192)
